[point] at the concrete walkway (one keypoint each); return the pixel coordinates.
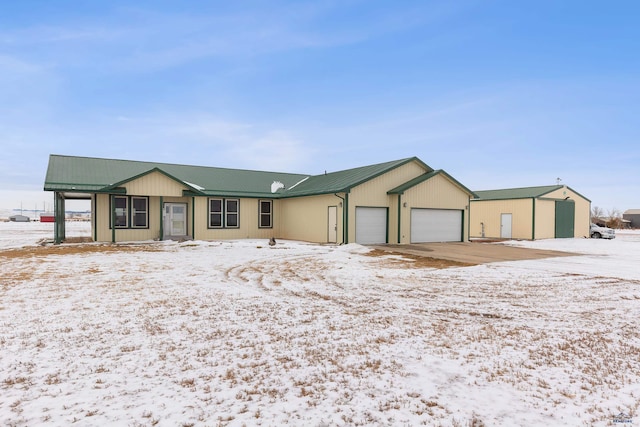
(472, 252)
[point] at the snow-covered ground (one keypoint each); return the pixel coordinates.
(240, 333)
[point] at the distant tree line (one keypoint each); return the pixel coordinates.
(612, 218)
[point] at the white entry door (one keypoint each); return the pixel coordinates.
(332, 224)
(175, 219)
(505, 225)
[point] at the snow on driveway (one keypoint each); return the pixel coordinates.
(239, 333)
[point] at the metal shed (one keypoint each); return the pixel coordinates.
(531, 213)
(19, 218)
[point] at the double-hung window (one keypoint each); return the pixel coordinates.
(224, 213)
(121, 205)
(139, 212)
(131, 211)
(265, 214)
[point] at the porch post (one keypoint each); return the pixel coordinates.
(113, 218)
(59, 224)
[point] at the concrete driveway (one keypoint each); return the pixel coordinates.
(471, 252)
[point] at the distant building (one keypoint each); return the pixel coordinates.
(633, 216)
(47, 217)
(19, 218)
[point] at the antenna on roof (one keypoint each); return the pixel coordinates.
(558, 180)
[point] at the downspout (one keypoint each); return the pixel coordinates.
(533, 220)
(345, 214)
(113, 218)
(469, 221)
(193, 217)
(344, 204)
(161, 219)
(399, 215)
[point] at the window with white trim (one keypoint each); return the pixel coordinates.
(232, 213)
(130, 211)
(265, 214)
(215, 213)
(224, 213)
(139, 212)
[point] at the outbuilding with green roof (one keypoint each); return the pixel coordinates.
(530, 213)
(400, 201)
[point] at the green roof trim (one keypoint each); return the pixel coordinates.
(420, 179)
(521, 193)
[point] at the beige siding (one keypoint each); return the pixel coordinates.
(155, 184)
(545, 219)
(583, 210)
(102, 220)
(249, 217)
(436, 193)
(373, 193)
(489, 212)
(306, 218)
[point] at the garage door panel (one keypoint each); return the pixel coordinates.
(371, 225)
(436, 225)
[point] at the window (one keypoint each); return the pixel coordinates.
(121, 208)
(224, 213)
(139, 212)
(232, 219)
(131, 212)
(215, 213)
(266, 214)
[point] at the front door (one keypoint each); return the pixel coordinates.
(175, 219)
(332, 221)
(505, 225)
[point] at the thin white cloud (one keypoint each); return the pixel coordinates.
(142, 40)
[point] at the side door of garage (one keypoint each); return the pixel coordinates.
(371, 225)
(436, 225)
(565, 218)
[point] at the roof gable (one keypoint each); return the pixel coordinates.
(186, 185)
(422, 178)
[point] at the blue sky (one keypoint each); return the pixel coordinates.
(498, 93)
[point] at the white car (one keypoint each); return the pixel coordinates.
(598, 232)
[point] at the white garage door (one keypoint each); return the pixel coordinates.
(436, 225)
(371, 225)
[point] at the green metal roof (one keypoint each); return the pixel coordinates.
(77, 174)
(87, 174)
(521, 193)
(419, 179)
(343, 181)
